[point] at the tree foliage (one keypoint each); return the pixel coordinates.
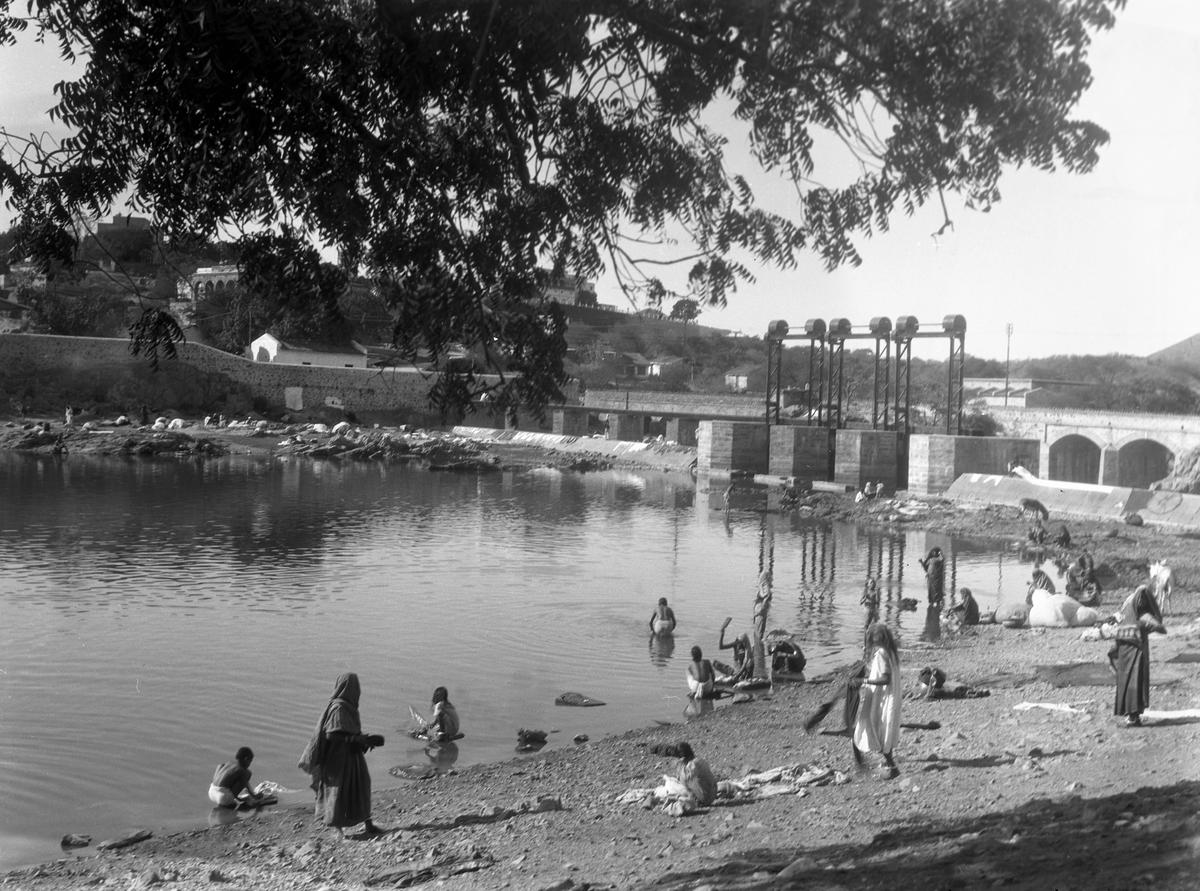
(449, 149)
(91, 314)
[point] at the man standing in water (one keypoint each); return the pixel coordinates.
(749, 653)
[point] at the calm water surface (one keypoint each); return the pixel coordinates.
(155, 616)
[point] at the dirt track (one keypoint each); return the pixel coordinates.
(994, 797)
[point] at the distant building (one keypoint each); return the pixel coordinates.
(208, 280)
(1019, 393)
(571, 290)
(12, 314)
(738, 379)
(26, 274)
(123, 222)
(638, 366)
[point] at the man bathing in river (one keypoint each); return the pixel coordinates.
(662, 620)
(232, 779)
(700, 677)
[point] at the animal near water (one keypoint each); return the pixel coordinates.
(1028, 506)
(1162, 584)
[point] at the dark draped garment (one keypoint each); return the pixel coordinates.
(935, 576)
(334, 758)
(1130, 655)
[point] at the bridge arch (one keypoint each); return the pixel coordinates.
(1074, 458)
(1141, 462)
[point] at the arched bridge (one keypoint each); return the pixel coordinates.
(1109, 448)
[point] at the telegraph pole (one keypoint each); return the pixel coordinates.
(1007, 355)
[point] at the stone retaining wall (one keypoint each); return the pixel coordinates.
(298, 388)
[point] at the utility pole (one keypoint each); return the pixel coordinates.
(1007, 355)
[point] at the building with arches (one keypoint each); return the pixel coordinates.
(208, 280)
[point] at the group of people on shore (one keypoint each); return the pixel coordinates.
(335, 754)
(335, 758)
(873, 690)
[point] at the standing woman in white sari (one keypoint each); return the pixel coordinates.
(877, 726)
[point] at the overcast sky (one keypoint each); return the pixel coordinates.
(1102, 263)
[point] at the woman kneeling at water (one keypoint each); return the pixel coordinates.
(444, 726)
(232, 779)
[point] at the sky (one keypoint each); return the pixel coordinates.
(1106, 262)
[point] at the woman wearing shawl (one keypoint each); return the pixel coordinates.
(1130, 656)
(934, 565)
(444, 725)
(334, 758)
(877, 725)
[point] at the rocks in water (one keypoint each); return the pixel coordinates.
(577, 699)
(530, 740)
(125, 841)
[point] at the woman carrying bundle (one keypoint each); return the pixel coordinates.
(1138, 616)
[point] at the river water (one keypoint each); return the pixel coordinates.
(157, 615)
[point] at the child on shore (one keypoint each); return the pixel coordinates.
(877, 726)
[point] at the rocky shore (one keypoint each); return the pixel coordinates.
(1032, 786)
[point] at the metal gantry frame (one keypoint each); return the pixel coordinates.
(814, 331)
(954, 329)
(827, 351)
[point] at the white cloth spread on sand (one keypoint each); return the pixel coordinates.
(1158, 715)
(790, 780)
(1049, 706)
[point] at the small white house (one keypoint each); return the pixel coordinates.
(269, 348)
(738, 379)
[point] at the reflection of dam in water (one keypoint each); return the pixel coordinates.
(156, 593)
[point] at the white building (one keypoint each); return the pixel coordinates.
(269, 348)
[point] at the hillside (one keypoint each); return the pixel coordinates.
(1187, 351)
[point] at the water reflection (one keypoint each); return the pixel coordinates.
(443, 756)
(662, 648)
(933, 623)
(154, 593)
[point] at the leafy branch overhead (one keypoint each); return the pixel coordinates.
(450, 149)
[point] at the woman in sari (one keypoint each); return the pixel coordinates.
(334, 758)
(934, 565)
(877, 726)
(1138, 616)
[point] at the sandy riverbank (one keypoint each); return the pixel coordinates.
(995, 796)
